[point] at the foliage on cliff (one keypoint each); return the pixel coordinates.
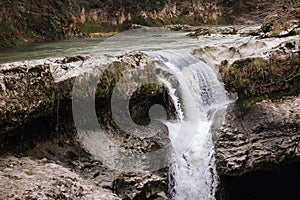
(284, 21)
(26, 21)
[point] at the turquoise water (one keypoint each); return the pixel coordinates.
(49, 49)
(145, 39)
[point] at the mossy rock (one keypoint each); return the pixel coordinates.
(27, 93)
(253, 78)
(200, 32)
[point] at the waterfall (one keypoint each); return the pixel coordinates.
(198, 96)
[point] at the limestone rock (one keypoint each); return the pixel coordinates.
(200, 32)
(140, 186)
(266, 135)
(254, 47)
(26, 93)
(61, 145)
(26, 178)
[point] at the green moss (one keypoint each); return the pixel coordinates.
(50, 99)
(275, 33)
(297, 32)
(96, 27)
(256, 78)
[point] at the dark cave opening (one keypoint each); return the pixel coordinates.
(278, 183)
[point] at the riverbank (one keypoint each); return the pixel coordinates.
(22, 23)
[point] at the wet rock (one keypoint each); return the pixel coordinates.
(253, 47)
(28, 89)
(140, 186)
(70, 59)
(60, 142)
(229, 31)
(275, 28)
(254, 77)
(258, 133)
(135, 26)
(264, 136)
(180, 27)
(200, 32)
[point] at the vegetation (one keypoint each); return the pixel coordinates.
(24, 21)
(256, 78)
(90, 27)
(27, 21)
(284, 20)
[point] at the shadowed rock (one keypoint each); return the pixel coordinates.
(26, 93)
(262, 137)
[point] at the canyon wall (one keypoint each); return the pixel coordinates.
(23, 22)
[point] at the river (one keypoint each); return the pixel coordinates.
(192, 162)
(140, 39)
(49, 49)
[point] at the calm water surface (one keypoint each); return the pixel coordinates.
(146, 39)
(49, 49)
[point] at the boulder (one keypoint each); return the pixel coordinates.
(26, 93)
(200, 32)
(26, 178)
(140, 186)
(261, 129)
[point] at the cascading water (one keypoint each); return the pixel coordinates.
(193, 169)
(197, 95)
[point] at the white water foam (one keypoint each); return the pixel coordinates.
(193, 169)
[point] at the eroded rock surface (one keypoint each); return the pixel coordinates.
(60, 143)
(258, 133)
(26, 93)
(25, 178)
(247, 47)
(262, 137)
(141, 186)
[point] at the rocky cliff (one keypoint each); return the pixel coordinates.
(22, 22)
(43, 127)
(261, 129)
(257, 147)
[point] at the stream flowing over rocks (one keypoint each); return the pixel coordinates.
(43, 157)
